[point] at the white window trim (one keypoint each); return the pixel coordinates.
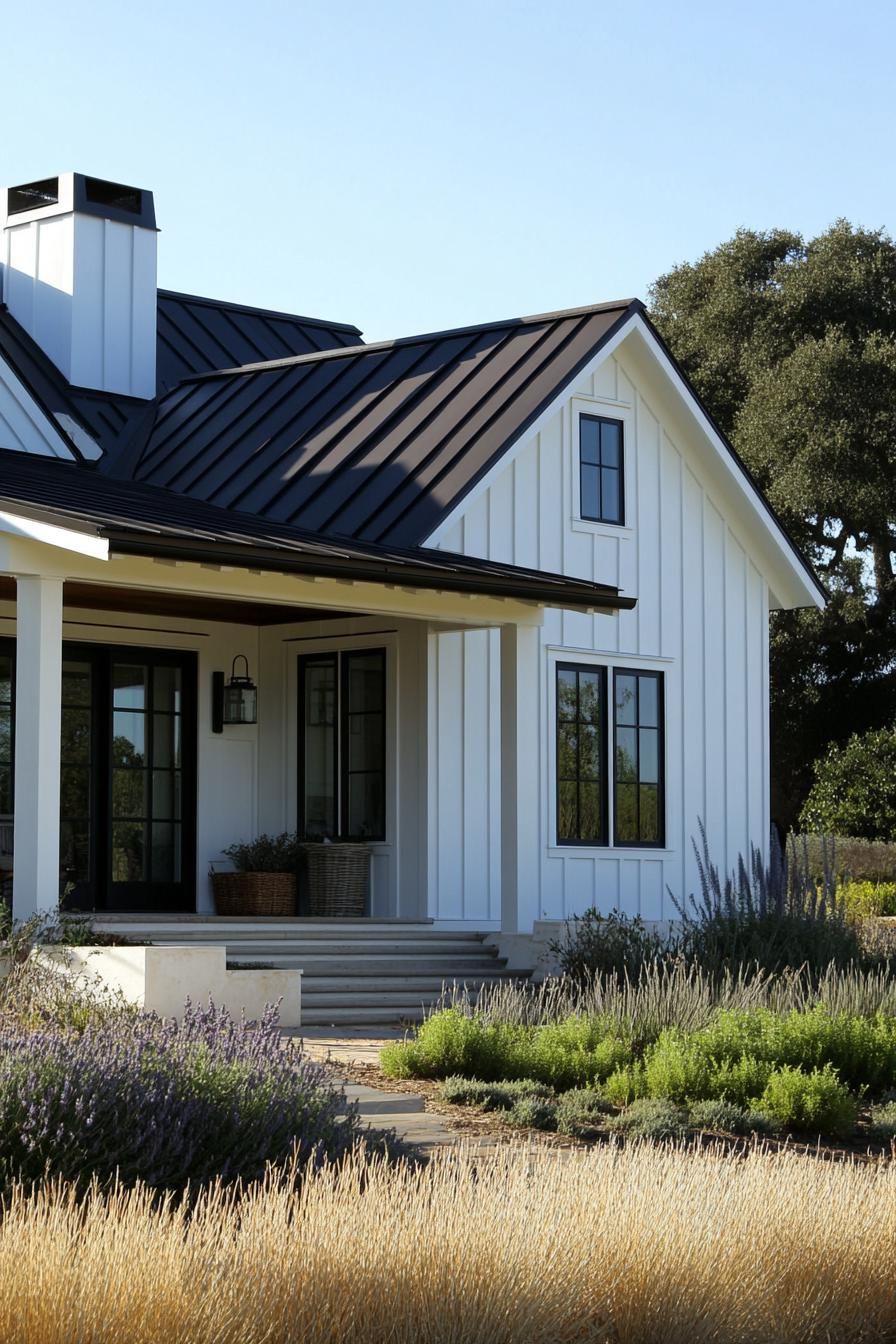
(610, 410)
(610, 663)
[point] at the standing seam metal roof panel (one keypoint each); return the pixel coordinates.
(375, 442)
(196, 335)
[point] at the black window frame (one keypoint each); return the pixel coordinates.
(642, 674)
(340, 660)
(608, 780)
(599, 467)
(578, 841)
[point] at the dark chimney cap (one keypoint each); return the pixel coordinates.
(87, 196)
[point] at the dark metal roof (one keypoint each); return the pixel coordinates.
(145, 520)
(376, 443)
(196, 335)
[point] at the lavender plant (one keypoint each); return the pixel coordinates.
(167, 1103)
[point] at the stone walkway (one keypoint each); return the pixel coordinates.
(405, 1112)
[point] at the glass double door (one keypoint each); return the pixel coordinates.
(128, 782)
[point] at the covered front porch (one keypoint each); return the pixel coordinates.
(120, 790)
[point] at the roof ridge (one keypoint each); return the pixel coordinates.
(374, 347)
(262, 312)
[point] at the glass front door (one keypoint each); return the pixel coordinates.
(128, 777)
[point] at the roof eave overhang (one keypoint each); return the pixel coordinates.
(521, 585)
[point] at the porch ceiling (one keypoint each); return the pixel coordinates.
(194, 606)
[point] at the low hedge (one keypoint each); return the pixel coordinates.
(798, 1069)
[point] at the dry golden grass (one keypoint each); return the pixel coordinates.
(642, 1246)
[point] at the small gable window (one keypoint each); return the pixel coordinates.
(601, 496)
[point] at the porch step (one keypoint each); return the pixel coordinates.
(360, 972)
(319, 987)
(320, 947)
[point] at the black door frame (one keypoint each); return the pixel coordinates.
(101, 894)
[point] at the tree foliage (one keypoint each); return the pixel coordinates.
(792, 345)
(855, 788)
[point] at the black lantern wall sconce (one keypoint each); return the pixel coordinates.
(235, 702)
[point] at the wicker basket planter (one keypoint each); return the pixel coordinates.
(338, 876)
(254, 893)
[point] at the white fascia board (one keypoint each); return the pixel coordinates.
(49, 534)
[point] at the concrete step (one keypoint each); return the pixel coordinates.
(383, 1103)
(366, 998)
(293, 922)
(453, 968)
(358, 1016)
(373, 984)
(372, 947)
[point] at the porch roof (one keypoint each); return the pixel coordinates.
(146, 520)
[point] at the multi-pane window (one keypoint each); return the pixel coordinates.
(601, 497)
(147, 707)
(343, 750)
(638, 793)
(76, 798)
(581, 772)
(590, 782)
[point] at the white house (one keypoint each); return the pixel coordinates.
(504, 592)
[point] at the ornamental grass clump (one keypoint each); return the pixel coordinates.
(633, 1244)
(166, 1103)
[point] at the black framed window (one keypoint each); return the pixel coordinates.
(342, 758)
(601, 484)
(581, 755)
(638, 803)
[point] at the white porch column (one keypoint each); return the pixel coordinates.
(520, 777)
(38, 731)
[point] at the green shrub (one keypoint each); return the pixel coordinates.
(854, 792)
(581, 1112)
(612, 944)
(651, 1118)
(490, 1096)
(447, 1043)
(266, 854)
(625, 1085)
(532, 1113)
(676, 1067)
(726, 1117)
(862, 1050)
(571, 1053)
(868, 899)
(849, 856)
(883, 1121)
(816, 1102)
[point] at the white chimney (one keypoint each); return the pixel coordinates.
(78, 271)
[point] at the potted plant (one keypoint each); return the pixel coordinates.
(338, 876)
(264, 877)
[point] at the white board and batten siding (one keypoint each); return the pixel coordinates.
(701, 619)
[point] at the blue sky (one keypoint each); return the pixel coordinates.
(409, 167)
